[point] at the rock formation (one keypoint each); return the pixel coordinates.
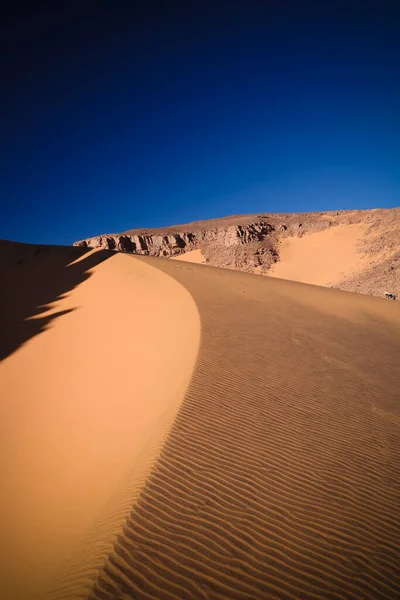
(226, 242)
(251, 242)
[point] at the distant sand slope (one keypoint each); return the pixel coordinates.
(194, 256)
(281, 475)
(92, 386)
(323, 258)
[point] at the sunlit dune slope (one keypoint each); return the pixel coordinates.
(193, 256)
(281, 475)
(97, 354)
(323, 258)
(277, 473)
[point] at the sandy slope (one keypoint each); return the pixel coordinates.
(323, 258)
(280, 477)
(193, 256)
(84, 407)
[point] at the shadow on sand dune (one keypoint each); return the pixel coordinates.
(32, 278)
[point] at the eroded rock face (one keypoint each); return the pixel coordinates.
(153, 245)
(251, 243)
(173, 244)
(247, 243)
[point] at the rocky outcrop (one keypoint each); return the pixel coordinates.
(251, 243)
(153, 245)
(247, 243)
(177, 243)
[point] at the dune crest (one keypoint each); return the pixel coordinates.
(281, 475)
(85, 405)
(142, 461)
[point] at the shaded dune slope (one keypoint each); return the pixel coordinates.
(32, 278)
(84, 406)
(280, 477)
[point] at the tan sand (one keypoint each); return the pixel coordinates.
(280, 477)
(84, 407)
(323, 258)
(194, 256)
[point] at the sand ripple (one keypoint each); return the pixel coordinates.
(280, 478)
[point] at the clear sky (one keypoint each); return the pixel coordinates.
(117, 115)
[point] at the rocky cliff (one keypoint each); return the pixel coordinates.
(252, 243)
(256, 237)
(234, 242)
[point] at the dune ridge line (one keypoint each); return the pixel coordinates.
(280, 478)
(87, 403)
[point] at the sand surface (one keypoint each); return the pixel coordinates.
(323, 258)
(85, 406)
(280, 475)
(193, 256)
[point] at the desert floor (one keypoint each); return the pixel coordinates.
(173, 430)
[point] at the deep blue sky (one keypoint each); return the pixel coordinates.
(167, 112)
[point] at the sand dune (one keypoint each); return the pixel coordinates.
(322, 258)
(193, 256)
(84, 407)
(280, 476)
